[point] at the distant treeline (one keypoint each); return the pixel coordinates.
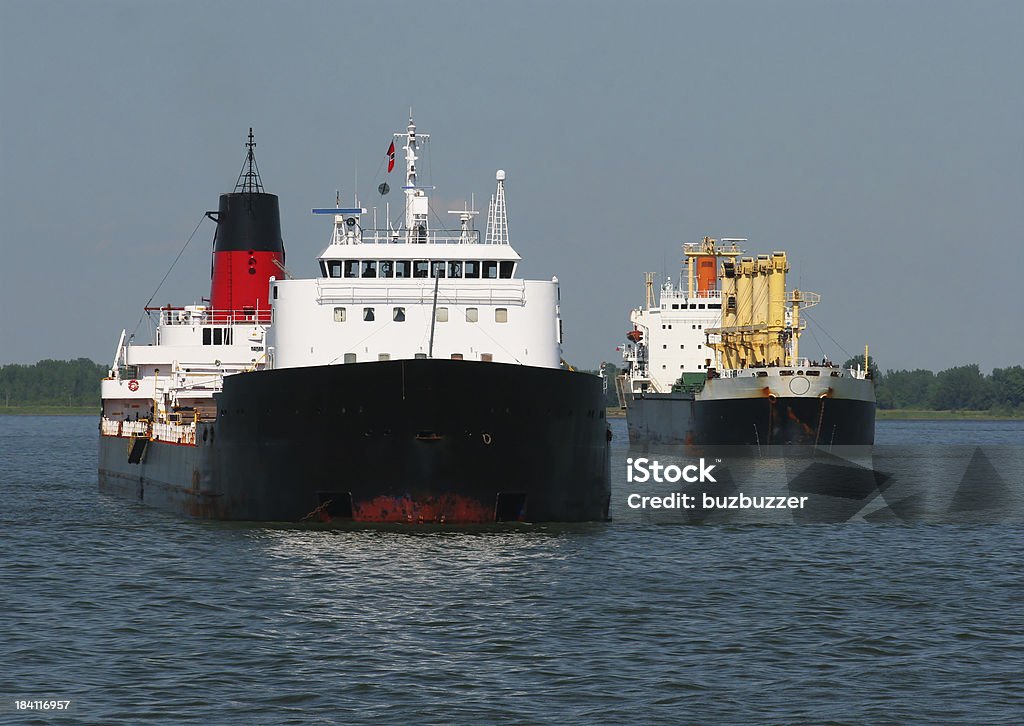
(958, 389)
(77, 383)
(66, 383)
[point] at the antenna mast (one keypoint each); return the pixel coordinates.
(416, 204)
(497, 219)
(249, 178)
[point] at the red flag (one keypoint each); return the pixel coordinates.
(391, 157)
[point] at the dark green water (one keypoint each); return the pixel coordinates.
(134, 615)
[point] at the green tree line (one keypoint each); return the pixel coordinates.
(51, 383)
(958, 389)
(77, 383)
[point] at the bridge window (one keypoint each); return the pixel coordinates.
(454, 269)
(501, 315)
(442, 315)
(334, 268)
(437, 269)
(351, 268)
(491, 269)
(369, 268)
(368, 314)
(339, 315)
(420, 268)
(403, 268)
(398, 315)
(507, 267)
(472, 268)
(387, 268)
(472, 315)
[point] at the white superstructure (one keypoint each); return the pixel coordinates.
(416, 291)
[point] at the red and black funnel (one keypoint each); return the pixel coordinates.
(247, 248)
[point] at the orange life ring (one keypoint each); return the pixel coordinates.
(133, 385)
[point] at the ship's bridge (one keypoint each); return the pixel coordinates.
(391, 261)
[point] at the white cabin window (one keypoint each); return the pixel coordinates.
(472, 315)
(487, 357)
(368, 315)
(442, 315)
(472, 269)
(369, 268)
(387, 268)
(420, 356)
(398, 315)
(507, 268)
(501, 315)
(420, 268)
(403, 268)
(350, 357)
(456, 356)
(339, 315)
(351, 268)
(491, 269)
(383, 356)
(454, 269)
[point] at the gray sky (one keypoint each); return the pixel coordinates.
(880, 143)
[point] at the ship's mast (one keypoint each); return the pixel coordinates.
(497, 219)
(416, 203)
(249, 178)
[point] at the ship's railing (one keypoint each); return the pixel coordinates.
(430, 236)
(680, 294)
(109, 427)
(181, 316)
(134, 428)
(174, 433)
(513, 294)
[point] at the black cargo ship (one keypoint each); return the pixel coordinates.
(210, 421)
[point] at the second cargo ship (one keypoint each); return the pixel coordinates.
(715, 361)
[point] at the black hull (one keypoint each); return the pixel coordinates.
(454, 442)
(754, 422)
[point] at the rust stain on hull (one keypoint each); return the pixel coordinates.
(444, 509)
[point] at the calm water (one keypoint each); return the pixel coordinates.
(135, 615)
